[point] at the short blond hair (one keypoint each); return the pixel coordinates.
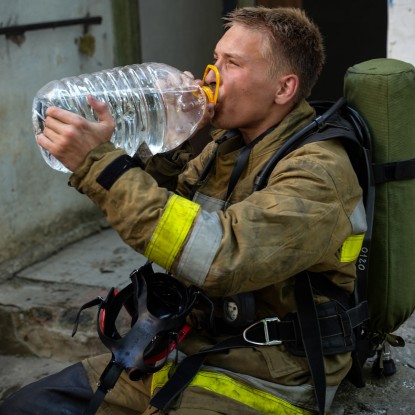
(295, 44)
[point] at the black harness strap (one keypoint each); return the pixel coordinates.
(311, 335)
(116, 169)
(242, 161)
(210, 162)
(240, 164)
(398, 170)
(107, 382)
(186, 371)
(315, 126)
(336, 329)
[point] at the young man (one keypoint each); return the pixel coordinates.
(231, 240)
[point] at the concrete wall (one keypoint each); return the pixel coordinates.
(183, 34)
(401, 30)
(38, 212)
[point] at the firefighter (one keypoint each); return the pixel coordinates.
(243, 248)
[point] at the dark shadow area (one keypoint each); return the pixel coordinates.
(354, 31)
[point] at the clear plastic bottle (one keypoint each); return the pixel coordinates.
(156, 107)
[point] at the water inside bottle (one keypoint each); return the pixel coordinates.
(162, 120)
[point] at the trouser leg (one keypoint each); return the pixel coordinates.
(69, 391)
(64, 393)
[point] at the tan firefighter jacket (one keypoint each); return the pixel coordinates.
(301, 220)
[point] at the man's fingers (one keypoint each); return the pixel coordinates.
(101, 110)
(189, 74)
(62, 115)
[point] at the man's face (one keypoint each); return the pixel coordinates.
(246, 93)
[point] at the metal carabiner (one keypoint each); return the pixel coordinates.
(265, 322)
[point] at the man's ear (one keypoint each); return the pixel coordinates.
(287, 89)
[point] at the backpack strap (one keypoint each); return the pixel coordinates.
(209, 164)
(311, 336)
(316, 130)
(397, 170)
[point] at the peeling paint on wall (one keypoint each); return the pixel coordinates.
(87, 44)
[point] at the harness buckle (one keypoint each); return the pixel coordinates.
(264, 322)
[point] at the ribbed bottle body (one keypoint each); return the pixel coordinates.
(154, 105)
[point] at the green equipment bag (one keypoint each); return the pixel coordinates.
(383, 92)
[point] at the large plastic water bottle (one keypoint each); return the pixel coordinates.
(156, 107)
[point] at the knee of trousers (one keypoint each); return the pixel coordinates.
(66, 392)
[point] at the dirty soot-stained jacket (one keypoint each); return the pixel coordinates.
(299, 221)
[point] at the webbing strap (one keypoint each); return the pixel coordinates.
(187, 370)
(242, 161)
(221, 384)
(310, 333)
(397, 170)
(107, 382)
(116, 169)
(209, 164)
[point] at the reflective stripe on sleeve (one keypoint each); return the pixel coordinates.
(351, 248)
(201, 248)
(171, 231)
(262, 401)
(358, 218)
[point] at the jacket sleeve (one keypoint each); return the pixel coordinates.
(151, 219)
(166, 167)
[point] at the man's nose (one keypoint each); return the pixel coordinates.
(210, 78)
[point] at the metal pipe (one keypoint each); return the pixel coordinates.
(19, 30)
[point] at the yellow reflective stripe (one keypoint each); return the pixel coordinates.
(221, 384)
(351, 248)
(171, 231)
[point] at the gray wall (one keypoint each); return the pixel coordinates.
(39, 212)
(181, 33)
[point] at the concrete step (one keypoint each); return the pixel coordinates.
(39, 305)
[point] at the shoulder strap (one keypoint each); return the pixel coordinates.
(210, 161)
(242, 160)
(307, 134)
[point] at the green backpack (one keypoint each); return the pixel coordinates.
(383, 92)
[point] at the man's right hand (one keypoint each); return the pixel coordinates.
(70, 137)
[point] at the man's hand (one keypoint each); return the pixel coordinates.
(70, 137)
